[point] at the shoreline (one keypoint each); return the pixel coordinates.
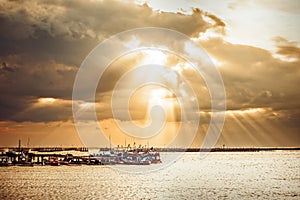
(85, 149)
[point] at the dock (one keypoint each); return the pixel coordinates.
(61, 155)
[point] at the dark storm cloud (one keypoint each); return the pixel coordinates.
(21, 87)
(7, 68)
(45, 112)
(44, 42)
(38, 79)
(67, 30)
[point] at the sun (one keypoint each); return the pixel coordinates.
(163, 98)
(159, 96)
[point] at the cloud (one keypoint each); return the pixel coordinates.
(289, 51)
(253, 78)
(28, 81)
(218, 21)
(7, 68)
(44, 42)
(67, 30)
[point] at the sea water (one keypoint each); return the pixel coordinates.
(219, 175)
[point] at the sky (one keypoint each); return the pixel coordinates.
(254, 44)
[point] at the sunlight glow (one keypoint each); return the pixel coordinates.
(209, 34)
(159, 95)
(164, 98)
(217, 62)
(284, 58)
(46, 100)
(133, 43)
(86, 105)
(180, 67)
(247, 111)
(154, 57)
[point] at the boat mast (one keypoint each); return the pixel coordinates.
(28, 141)
(109, 143)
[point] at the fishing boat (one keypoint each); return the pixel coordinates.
(155, 157)
(129, 157)
(136, 159)
(54, 161)
(25, 160)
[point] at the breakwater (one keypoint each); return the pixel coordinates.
(85, 149)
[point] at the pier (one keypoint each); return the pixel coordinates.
(39, 158)
(61, 155)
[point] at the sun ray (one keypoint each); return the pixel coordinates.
(244, 128)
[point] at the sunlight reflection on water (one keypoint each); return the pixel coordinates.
(265, 175)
